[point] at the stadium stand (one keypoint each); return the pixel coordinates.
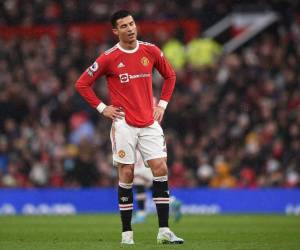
(239, 117)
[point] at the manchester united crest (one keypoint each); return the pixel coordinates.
(121, 153)
(145, 61)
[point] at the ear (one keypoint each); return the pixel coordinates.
(115, 31)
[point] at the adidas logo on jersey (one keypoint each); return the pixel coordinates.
(121, 65)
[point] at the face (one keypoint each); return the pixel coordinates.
(126, 29)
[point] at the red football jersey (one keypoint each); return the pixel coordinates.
(129, 78)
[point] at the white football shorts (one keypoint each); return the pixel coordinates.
(125, 139)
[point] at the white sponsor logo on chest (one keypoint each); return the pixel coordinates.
(124, 78)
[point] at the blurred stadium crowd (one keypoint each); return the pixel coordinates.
(234, 123)
(16, 12)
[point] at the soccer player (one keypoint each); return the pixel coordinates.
(128, 70)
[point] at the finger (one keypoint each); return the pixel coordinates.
(159, 118)
(156, 115)
(120, 115)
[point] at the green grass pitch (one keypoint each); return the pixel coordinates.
(91, 232)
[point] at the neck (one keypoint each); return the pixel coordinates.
(128, 45)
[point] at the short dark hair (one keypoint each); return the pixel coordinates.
(118, 15)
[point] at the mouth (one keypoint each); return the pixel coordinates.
(131, 35)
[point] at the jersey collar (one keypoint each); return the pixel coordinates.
(129, 50)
